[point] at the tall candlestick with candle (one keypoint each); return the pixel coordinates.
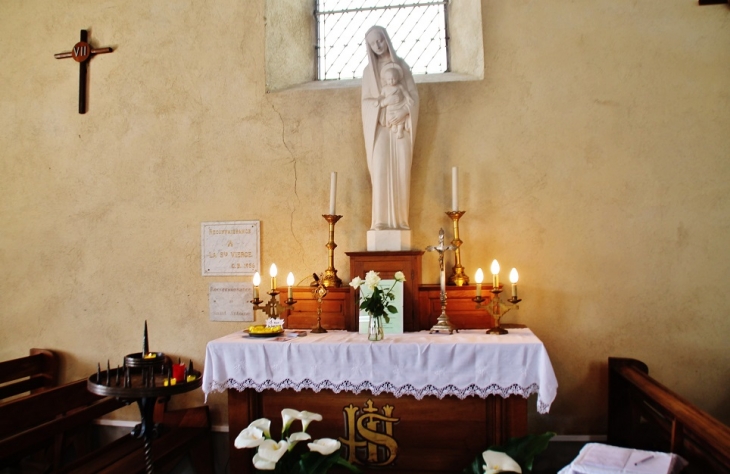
(333, 192)
(454, 188)
(329, 277)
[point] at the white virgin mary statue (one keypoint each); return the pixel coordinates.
(389, 120)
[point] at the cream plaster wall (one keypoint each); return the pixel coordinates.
(594, 158)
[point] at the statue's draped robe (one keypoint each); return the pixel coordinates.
(389, 158)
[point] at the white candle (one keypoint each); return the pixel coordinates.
(333, 192)
(495, 274)
(479, 279)
(290, 283)
(256, 283)
(454, 188)
(513, 277)
(272, 273)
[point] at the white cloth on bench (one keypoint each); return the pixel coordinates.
(596, 458)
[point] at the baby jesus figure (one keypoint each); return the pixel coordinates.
(394, 97)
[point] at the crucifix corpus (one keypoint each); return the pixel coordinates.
(82, 53)
(442, 323)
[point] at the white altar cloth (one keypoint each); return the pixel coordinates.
(468, 363)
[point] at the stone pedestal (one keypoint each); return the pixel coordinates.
(389, 240)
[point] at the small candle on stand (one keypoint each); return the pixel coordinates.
(272, 273)
(479, 278)
(495, 274)
(333, 192)
(256, 283)
(513, 277)
(289, 284)
(454, 188)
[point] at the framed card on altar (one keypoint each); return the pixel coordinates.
(395, 325)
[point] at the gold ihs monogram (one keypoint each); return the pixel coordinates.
(369, 437)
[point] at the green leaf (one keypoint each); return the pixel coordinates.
(392, 309)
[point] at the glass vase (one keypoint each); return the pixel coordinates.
(375, 328)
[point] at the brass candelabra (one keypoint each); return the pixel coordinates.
(272, 308)
(319, 291)
(495, 307)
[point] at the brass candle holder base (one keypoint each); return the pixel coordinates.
(272, 308)
(458, 276)
(497, 309)
(329, 277)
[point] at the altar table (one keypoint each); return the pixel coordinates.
(415, 402)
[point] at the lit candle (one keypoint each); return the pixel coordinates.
(479, 277)
(256, 283)
(454, 188)
(495, 274)
(290, 283)
(272, 272)
(513, 277)
(333, 192)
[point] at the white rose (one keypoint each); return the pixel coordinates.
(356, 282)
(372, 279)
(399, 276)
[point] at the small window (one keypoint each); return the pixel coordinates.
(417, 29)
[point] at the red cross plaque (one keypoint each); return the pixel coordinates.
(82, 53)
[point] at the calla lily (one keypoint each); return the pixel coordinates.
(297, 437)
(272, 451)
(324, 446)
(308, 417)
(288, 415)
(264, 424)
(399, 276)
(249, 438)
(356, 282)
(498, 462)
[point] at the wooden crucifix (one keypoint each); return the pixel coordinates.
(82, 53)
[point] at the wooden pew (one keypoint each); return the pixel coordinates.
(644, 414)
(31, 374)
(57, 416)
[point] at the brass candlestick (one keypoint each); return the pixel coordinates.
(330, 278)
(497, 309)
(320, 291)
(458, 277)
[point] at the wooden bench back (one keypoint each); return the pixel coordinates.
(36, 372)
(644, 414)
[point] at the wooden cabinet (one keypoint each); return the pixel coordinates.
(460, 307)
(303, 315)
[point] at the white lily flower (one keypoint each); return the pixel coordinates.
(297, 437)
(399, 276)
(272, 451)
(262, 464)
(324, 446)
(498, 462)
(356, 282)
(372, 279)
(264, 424)
(250, 437)
(308, 417)
(288, 415)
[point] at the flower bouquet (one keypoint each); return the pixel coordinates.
(377, 304)
(285, 456)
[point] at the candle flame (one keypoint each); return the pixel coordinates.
(479, 277)
(290, 279)
(272, 270)
(495, 267)
(256, 279)
(513, 276)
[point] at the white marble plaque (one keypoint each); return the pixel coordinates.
(230, 248)
(231, 301)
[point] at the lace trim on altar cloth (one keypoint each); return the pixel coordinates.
(387, 387)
